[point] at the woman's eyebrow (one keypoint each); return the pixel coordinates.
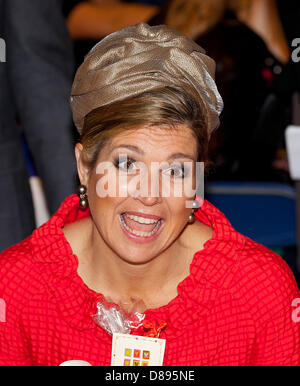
(130, 147)
(181, 155)
(140, 151)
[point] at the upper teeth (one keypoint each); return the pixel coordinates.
(141, 220)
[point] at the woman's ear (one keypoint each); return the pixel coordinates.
(81, 167)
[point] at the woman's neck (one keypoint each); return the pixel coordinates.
(152, 283)
(138, 286)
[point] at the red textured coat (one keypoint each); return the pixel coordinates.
(235, 307)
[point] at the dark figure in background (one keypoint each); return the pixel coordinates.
(35, 84)
(255, 113)
(290, 16)
(89, 21)
(247, 41)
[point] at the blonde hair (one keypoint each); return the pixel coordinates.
(196, 17)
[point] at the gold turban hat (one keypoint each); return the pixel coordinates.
(141, 58)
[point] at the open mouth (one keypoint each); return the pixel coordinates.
(141, 227)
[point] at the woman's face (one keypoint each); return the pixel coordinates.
(141, 170)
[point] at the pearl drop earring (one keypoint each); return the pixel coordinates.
(195, 206)
(83, 202)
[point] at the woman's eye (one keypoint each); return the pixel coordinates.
(126, 164)
(176, 171)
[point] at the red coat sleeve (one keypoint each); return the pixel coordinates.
(278, 325)
(278, 343)
(14, 349)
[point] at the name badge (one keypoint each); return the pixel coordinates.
(133, 350)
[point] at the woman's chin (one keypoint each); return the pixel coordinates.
(137, 258)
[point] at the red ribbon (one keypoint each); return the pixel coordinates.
(153, 330)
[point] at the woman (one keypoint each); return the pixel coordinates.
(145, 96)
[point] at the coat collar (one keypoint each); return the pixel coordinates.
(212, 270)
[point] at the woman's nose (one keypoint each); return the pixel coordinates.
(147, 188)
